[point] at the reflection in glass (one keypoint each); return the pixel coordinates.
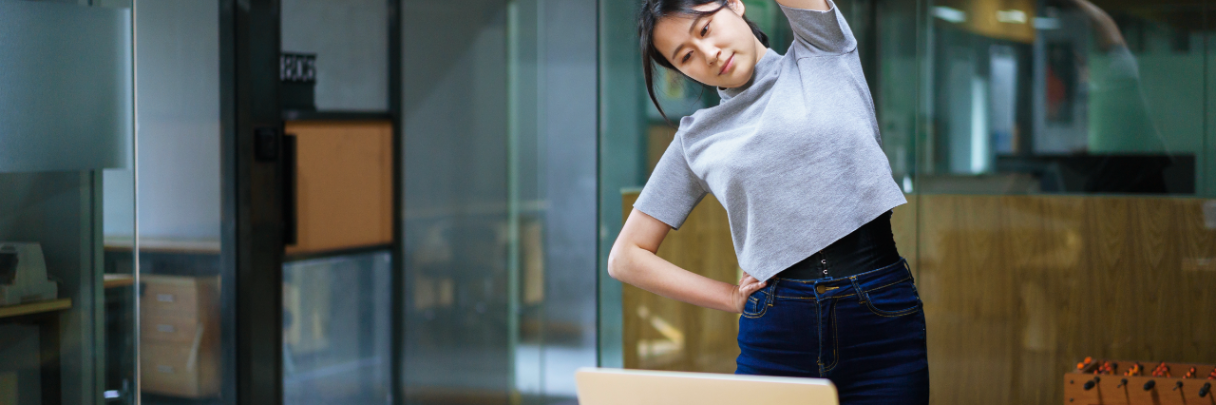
(499, 199)
(181, 325)
(336, 330)
(1052, 98)
(455, 259)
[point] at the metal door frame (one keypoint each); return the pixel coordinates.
(251, 188)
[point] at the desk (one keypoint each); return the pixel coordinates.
(45, 314)
(117, 280)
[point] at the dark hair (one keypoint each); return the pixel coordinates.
(655, 10)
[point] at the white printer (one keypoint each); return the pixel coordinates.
(23, 274)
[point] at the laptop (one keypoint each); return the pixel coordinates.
(608, 386)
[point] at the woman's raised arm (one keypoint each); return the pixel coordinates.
(820, 5)
(633, 260)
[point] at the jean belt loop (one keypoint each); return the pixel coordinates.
(861, 294)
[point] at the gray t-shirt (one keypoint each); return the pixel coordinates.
(794, 156)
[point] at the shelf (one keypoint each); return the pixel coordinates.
(189, 246)
(35, 307)
(353, 251)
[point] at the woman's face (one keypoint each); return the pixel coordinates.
(717, 50)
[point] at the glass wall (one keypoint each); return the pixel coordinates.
(552, 192)
(66, 193)
(186, 271)
(455, 126)
(1058, 161)
(498, 108)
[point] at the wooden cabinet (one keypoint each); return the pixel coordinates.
(179, 336)
(344, 185)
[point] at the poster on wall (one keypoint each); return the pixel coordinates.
(1061, 83)
(1061, 87)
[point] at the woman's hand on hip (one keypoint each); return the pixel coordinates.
(747, 285)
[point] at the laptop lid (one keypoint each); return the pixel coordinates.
(604, 386)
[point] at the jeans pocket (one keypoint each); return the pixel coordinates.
(899, 299)
(757, 304)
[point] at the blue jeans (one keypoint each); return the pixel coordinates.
(866, 333)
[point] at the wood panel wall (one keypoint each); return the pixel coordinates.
(1016, 290)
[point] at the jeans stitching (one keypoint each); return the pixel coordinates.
(835, 341)
(888, 285)
(768, 302)
(844, 295)
(757, 315)
(865, 299)
(819, 338)
(891, 314)
(894, 314)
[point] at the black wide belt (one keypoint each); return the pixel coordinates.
(868, 248)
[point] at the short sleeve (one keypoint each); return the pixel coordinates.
(673, 190)
(820, 33)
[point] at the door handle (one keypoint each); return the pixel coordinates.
(290, 203)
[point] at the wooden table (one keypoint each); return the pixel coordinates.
(117, 280)
(45, 314)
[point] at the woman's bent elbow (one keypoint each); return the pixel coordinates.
(616, 265)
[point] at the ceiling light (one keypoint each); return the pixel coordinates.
(1011, 16)
(953, 15)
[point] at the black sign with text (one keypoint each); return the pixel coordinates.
(298, 67)
(298, 78)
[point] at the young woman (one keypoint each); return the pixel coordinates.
(794, 154)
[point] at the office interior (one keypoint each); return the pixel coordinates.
(412, 201)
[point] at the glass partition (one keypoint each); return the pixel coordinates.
(1080, 98)
(185, 273)
(499, 120)
(66, 194)
(455, 261)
